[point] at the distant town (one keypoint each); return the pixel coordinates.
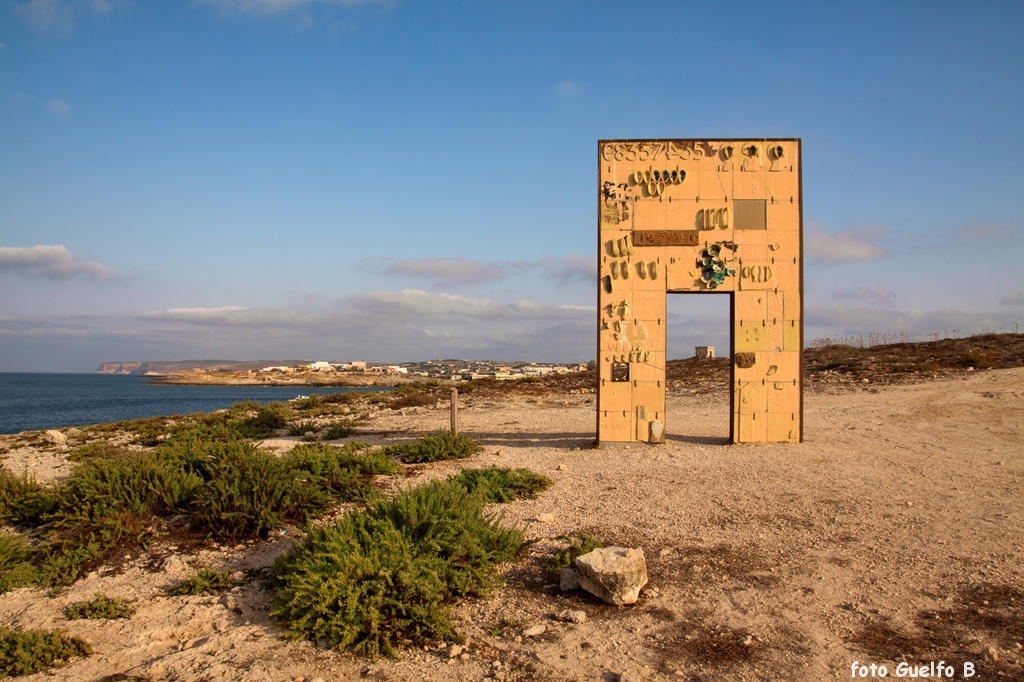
(451, 370)
(330, 372)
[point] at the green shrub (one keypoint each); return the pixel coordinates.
(101, 449)
(434, 447)
(340, 474)
(24, 652)
(100, 607)
(245, 406)
(584, 544)
(415, 400)
(23, 501)
(270, 418)
(406, 390)
(386, 575)
(501, 484)
(206, 581)
(16, 568)
(339, 430)
(248, 492)
(301, 428)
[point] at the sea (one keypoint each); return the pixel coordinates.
(30, 401)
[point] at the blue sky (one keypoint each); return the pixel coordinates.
(260, 179)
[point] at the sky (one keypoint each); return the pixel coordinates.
(396, 181)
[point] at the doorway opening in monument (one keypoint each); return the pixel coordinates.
(698, 395)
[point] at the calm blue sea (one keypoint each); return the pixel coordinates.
(48, 401)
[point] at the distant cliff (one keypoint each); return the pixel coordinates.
(120, 367)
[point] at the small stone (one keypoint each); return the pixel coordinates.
(464, 657)
(613, 574)
(535, 631)
(455, 651)
(562, 467)
(990, 654)
(569, 580)
(546, 518)
(518, 639)
(572, 616)
(865, 380)
(318, 679)
(55, 437)
(497, 453)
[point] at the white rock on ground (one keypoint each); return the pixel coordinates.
(614, 574)
(55, 437)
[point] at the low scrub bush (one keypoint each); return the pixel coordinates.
(25, 652)
(301, 428)
(501, 484)
(339, 430)
(23, 501)
(100, 449)
(16, 568)
(413, 400)
(248, 492)
(584, 544)
(206, 581)
(265, 422)
(387, 575)
(434, 447)
(100, 607)
(344, 473)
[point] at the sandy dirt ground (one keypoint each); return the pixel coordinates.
(894, 534)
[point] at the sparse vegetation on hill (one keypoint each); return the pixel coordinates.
(223, 484)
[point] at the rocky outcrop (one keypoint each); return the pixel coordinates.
(614, 574)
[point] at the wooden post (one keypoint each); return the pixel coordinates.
(455, 411)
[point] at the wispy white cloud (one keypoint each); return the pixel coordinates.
(266, 8)
(45, 15)
(235, 315)
(568, 88)
(571, 267)
(59, 106)
(844, 246)
(451, 272)
(50, 260)
(840, 320)
(879, 295)
(446, 273)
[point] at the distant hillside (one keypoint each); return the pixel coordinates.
(169, 366)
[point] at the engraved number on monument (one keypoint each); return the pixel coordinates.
(665, 238)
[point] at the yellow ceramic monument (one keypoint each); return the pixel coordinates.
(716, 216)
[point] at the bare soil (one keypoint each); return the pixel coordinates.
(894, 533)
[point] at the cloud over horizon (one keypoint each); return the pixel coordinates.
(50, 260)
(444, 272)
(880, 295)
(856, 245)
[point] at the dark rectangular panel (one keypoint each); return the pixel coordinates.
(665, 237)
(749, 214)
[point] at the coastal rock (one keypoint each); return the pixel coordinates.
(614, 574)
(55, 437)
